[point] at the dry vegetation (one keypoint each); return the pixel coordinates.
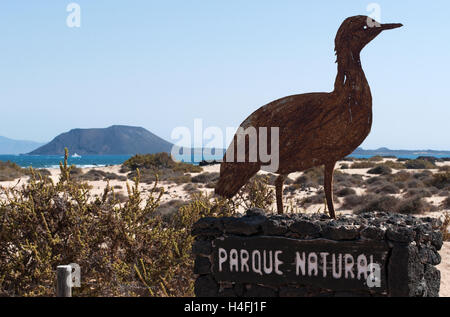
(10, 171)
(132, 244)
(131, 247)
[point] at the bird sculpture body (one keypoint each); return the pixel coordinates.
(315, 129)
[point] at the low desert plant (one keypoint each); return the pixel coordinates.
(414, 183)
(353, 201)
(347, 180)
(446, 203)
(440, 180)
(205, 178)
(123, 248)
(386, 188)
(445, 168)
(401, 176)
(10, 171)
(169, 209)
(345, 192)
(422, 192)
(363, 164)
(414, 205)
(376, 158)
(256, 193)
(98, 175)
(316, 199)
(444, 227)
(191, 188)
(378, 203)
(380, 170)
(419, 164)
(159, 161)
(394, 165)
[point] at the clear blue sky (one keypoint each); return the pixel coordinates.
(161, 64)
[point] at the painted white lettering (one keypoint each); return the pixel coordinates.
(256, 264)
(268, 268)
(349, 263)
(335, 273)
(312, 264)
(324, 262)
(222, 258)
(278, 263)
(244, 261)
(300, 263)
(234, 260)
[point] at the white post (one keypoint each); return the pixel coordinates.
(64, 281)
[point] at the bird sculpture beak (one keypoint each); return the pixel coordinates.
(390, 26)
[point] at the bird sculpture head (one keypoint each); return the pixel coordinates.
(357, 31)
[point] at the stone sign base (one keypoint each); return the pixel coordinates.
(372, 254)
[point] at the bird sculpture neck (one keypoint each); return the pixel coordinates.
(349, 71)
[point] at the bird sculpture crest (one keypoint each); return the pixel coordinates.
(314, 129)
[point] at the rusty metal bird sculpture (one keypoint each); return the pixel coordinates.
(314, 129)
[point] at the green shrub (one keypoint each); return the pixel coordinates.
(10, 171)
(347, 180)
(444, 227)
(401, 176)
(345, 192)
(161, 166)
(98, 175)
(159, 161)
(414, 205)
(124, 249)
(380, 170)
(167, 211)
(419, 164)
(180, 179)
(445, 168)
(384, 188)
(314, 177)
(394, 165)
(363, 164)
(386, 203)
(256, 193)
(376, 158)
(414, 183)
(353, 201)
(440, 180)
(416, 192)
(191, 188)
(378, 203)
(446, 203)
(205, 178)
(314, 200)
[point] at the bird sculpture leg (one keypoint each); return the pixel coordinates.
(279, 193)
(328, 184)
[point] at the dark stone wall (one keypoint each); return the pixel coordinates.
(413, 251)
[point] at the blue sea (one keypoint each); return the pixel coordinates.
(52, 161)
